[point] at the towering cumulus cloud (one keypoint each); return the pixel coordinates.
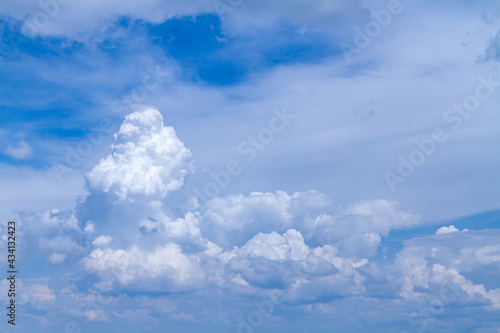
(260, 240)
(147, 159)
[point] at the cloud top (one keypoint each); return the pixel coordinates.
(147, 159)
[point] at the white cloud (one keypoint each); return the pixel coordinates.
(61, 244)
(23, 151)
(256, 240)
(89, 228)
(358, 230)
(57, 258)
(52, 218)
(274, 246)
(235, 211)
(446, 230)
(240, 244)
(488, 254)
(165, 268)
(426, 264)
(40, 293)
(384, 215)
(147, 159)
(232, 220)
(441, 275)
(180, 229)
(102, 241)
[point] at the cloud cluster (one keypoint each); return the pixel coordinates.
(128, 238)
(427, 264)
(128, 234)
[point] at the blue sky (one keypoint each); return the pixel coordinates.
(237, 166)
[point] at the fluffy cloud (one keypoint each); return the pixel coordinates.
(164, 269)
(147, 159)
(231, 220)
(233, 210)
(274, 246)
(102, 241)
(427, 264)
(181, 229)
(128, 237)
(358, 231)
(446, 230)
(304, 274)
(291, 241)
